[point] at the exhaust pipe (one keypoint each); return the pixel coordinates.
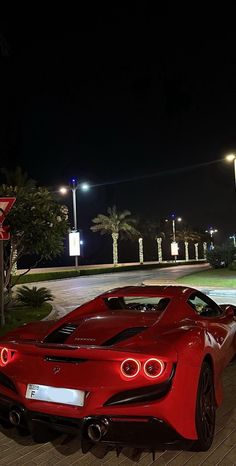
(15, 417)
(97, 430)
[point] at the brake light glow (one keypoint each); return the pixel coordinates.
(130, 367)
(153, 368)
(5, 356)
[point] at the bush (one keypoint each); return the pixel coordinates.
(34, 296)
(232, 266)
(44, 276)
(221, 256)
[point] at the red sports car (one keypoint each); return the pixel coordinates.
(138, 366)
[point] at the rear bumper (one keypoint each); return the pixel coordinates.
(139, 432)
(136, 432)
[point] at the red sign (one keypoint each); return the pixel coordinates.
(6, 204)
(4, 233)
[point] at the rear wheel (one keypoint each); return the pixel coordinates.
(205, 409)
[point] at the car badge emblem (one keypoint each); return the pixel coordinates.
(56, 370)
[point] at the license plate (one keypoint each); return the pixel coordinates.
(66, 396)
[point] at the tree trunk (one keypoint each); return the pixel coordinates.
(204, 249)
(140, 245)
(115, 237)
(196, 251)
(159, 249)
(186, 251)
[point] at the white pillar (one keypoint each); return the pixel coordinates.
(186, 251)
(159, 249)
(204, 249)
(115, 237)
(140, 248)
(196, 251)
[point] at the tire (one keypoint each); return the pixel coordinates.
(205, 409)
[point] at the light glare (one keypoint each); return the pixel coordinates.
(63, 190)
(85, 186)
(230, 157)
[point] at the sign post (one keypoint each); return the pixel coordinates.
(6, 204)
(174, 249)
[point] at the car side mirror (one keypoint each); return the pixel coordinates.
(230, 311)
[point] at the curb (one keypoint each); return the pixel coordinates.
(56, 313)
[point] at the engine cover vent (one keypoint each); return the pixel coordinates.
(124, 335)
(61, 334)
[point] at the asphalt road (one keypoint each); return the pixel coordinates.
(72, 292)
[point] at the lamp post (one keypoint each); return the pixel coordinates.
(232, 158)
(211, 232)
(174, 219)
(174, 245)
(74, 187)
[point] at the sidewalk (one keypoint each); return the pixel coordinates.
(104, 266)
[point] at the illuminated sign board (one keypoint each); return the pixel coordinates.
(174, 249)
(74, 244)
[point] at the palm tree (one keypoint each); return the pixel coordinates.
(117, 225)
(153, 229)
(17, 178)
(186, 234)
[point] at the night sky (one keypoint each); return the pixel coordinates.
(141, 104)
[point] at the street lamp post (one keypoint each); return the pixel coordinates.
(73, 187)
(232, 158)
(174, 219)
(211, 232)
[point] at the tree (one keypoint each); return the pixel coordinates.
(37, 223)
(187, 234)
(152, 229)
(17, 178)
(117, 225)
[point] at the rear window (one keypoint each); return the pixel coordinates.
(137, 303)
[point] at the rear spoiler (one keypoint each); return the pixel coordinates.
(88, 352)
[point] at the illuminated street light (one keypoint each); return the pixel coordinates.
(211, 232)
(174, 219)
(232, 158)
(74, 187)
(63, 190)
(174, 245)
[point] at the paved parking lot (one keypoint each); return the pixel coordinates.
(65, 451)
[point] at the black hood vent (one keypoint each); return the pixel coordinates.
(61, 334)
(124, 335)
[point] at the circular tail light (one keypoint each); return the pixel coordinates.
(5, 356)
(153, 367)
(130, 367)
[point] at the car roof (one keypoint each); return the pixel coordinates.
(171, 291)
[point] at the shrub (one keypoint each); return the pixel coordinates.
(232, 266)
(221, 256)
(33, 296)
